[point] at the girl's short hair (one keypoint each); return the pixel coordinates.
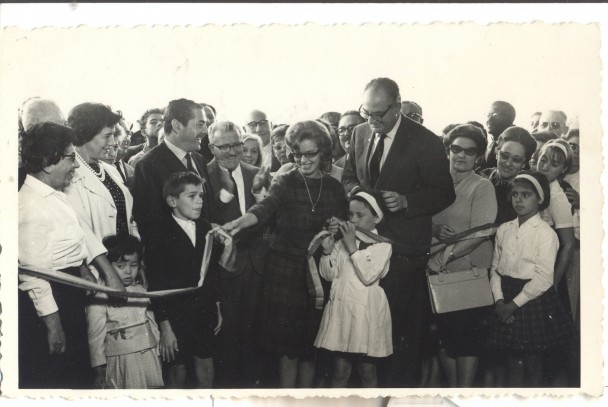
(120, 246)
(560, 151)
(542, 181)
(471, 132)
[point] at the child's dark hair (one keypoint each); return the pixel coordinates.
(364, 202)
(177, 182)
(120, 246)
(542, 181)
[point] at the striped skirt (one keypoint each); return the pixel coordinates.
(539, 325)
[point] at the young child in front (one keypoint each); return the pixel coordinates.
(123, 337)
(532, 320)
(356, 323)
(188, 322)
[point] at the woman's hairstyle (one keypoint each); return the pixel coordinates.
(88, 119)
(120, 246)
(177, 182)
(521, 136)
(559, 151)
(523, 179)
(544, 136)
(44, 144)
(317, 133)
(471, 132)
(226, 127)
(278, 132)
(248, 136)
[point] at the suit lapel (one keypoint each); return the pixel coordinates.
(173, 163)
(396, 153)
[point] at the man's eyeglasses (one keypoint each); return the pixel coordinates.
(377, 116)
(472, 151)
(552, 125)
(224, 148)
(414, 116)
(309, 154)
(496, 115)
(346, 130)
(253, 125)
(514, 159)
(71, 157)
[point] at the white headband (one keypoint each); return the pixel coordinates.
(372, 202)
(560, 146)
(534, 182)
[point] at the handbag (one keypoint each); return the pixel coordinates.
(459, 290)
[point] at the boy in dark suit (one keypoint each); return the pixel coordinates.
(190, 321)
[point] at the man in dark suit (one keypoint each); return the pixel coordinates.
(404, 165)
(184, 125)
(231, 183)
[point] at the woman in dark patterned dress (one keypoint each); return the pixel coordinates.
(303, 200)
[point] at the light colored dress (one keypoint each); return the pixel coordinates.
(125, 337)
(357, 318)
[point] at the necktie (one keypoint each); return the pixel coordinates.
(122, 175)
(374, 162)
(236, 191)
(189, 164)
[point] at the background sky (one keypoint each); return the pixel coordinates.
(293, 73)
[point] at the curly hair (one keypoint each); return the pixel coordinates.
(88, 119)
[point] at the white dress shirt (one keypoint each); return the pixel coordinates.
(524, 252)
(181, 155)
(225, 196)
(188, 226)
(388, 142)
(50, 236)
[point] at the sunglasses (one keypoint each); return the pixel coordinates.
(468, 151)
(514, 159)
(309, 154)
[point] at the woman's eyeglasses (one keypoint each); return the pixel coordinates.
(472, 151)
(514, 159)
(309, 154)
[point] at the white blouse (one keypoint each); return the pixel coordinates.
(524, 252)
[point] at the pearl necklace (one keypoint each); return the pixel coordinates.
(102, 172)
(309, 196)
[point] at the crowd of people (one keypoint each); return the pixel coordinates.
(383, 195)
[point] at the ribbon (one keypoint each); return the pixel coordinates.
(226, 260)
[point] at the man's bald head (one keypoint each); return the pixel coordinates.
(40, 111)
(555, 121)
(258, 123)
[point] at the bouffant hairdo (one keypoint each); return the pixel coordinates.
(471, 132)
(88, 119)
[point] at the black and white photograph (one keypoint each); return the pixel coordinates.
(234, 206)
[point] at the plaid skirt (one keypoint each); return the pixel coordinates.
(288, 322)
(539, 325)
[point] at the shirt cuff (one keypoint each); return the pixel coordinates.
(45, 305)
(226, 196)
(522, 299)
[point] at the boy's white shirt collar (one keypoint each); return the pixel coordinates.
(188, 226)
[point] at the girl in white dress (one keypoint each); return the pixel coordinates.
(124, 337)
(356, 323)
